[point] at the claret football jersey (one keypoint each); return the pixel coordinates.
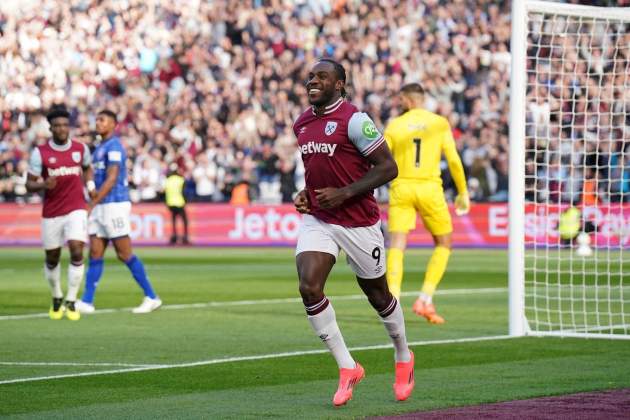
(334, 148)
(65, 163)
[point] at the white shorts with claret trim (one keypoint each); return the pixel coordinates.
(69, 227)
(110, 220)
(364, 246)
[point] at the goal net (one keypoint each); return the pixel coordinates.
(570, 171)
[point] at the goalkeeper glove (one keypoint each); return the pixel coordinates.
(462, 204)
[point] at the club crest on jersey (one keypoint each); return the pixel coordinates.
(76, 157)
(331, 126)
(52, 160)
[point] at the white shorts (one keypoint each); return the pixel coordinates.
(69, 227)
(110, 220)
(364, 246)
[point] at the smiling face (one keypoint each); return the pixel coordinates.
(323, 86)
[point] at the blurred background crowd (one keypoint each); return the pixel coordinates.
(578, 111)
(214, 87)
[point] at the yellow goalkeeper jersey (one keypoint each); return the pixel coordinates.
(417, 140)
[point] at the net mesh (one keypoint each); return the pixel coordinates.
(577, 175)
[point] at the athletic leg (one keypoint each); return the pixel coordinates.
(364, 248)
(313, 269)
(75, 276)
(402, 219)
(135, 265)
(435, 271)
(52, 270)
(125, 254)
(52, 240)
(437, 220)
(437, 265)
(185, 219)
(395, 260)
(95, 268)
(173, 239)
(390, 312)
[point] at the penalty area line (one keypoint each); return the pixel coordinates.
(202, 305)
(246, 359)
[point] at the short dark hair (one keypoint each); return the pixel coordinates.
(412, 88)
(109, 113)
(340, 72)
(57, 111)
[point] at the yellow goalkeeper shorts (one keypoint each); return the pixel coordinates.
(423, 198)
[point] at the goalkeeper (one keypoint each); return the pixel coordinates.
(417, 139)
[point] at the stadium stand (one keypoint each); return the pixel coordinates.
(215, 86)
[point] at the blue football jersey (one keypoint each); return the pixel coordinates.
(111, 152)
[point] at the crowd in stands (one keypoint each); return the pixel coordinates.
(215, 86)
(578, 106)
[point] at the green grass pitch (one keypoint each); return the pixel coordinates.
(233, 342)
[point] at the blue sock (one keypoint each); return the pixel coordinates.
(137, 270)
(94, 273)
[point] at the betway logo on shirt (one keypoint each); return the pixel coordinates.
(64, 171)
(314, 147)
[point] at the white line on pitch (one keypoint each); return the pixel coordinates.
(260, 302)
(77, 364)
(245, 358)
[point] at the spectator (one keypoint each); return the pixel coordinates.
(268, 174)
(205, 176)
(147, 178)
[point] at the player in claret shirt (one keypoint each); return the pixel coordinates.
(345, 158)
(58, 167)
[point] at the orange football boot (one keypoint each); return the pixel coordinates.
(427, 310)
(404, 379)
(348, 378)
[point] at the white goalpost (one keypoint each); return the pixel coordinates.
(569, 200)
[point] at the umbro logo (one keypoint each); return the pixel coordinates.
(302, 130)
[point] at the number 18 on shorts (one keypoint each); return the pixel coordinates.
(110, 220)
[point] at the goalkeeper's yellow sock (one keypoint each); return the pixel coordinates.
(395, 271)
(435, 270)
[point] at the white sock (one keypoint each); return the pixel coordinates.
(54, 280)
(75, 276)
(426, 298)
(325, 325)
(395, 326)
